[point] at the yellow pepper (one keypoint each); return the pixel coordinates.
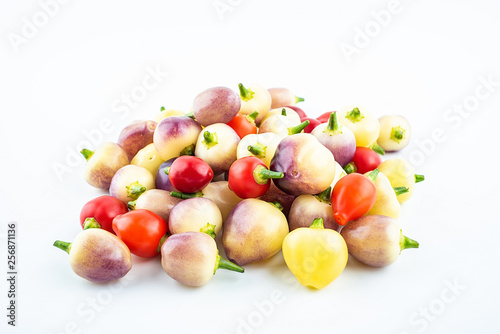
(400, 173)
(362, 123)
(164, 113)
(316, 256)
(148, 158)
(387, 203)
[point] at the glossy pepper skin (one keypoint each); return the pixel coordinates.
(97, 255)
(323, 118)
(250, 178)
(364, 160)
(352, 196)
(262, 146)
(309, 167)
(401, 174)
(141, 230)
(104, 209)
(244, 124)
(189, 174)
(316, 256)
(387, 198)
(376, 240)
(362, 123)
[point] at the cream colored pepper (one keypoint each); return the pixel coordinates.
(387, 203)
(148, 158)
(395, 132)
(261, 145)
(362, 123)
(254, 98)
(401, 174)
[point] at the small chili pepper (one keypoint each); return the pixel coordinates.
(316, 256)
(192, 258)
(262, 146)
(189, 174)
(313, 123)
(141, 230)
(364, 160)
(353, 195)
(324, 117)
(104, 209)
(250, 178)
(387, 202)
(97, 255)
(401, 174)
(244, 124)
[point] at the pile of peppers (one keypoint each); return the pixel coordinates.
(250, 169)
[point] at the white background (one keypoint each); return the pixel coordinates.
(64, 75)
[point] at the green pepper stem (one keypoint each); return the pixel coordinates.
(166, 170)
(354, 115)
(325, 195)
(90, 222)
(419, 178)
(377, 148)
(317, 223)
(135, 190)
(226, 264)
(350, 168)
(333, 124)
(397, 134)
(298, 128)
(162, 108)
(87, 154)
(277, 205)
(182, 195)
(246, 94)
(283, 112)
(188, 150)
(262, 175)
(405, 242)
(65, 246)
(400, 190)
(299, 99)
(131, 204)
(162, 241)
(257, 150)
(209, 139)
(373, 174)
(209, 229)
(252, 117)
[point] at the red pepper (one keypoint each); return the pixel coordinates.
(353, 196)
(189, 174)
(141, 230)
(249, 177)
(299, 111)
(244, 124)
(313, 122)
(323, 118)
(104, 209)
(364, 160)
